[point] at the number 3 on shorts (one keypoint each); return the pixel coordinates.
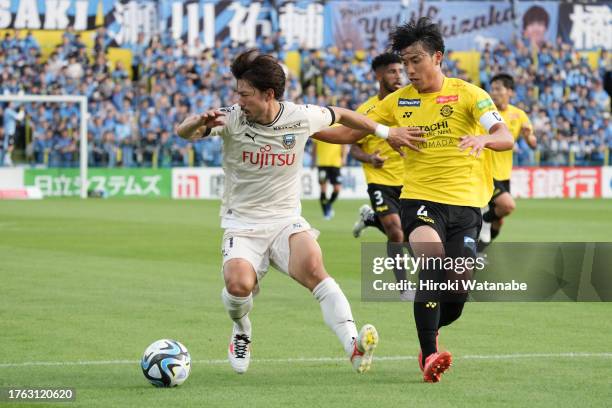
(422, 211)
(378, 197)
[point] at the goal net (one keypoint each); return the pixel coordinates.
(82, 102)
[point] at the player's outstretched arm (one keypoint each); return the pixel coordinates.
(339, 135)
(197, 126)
(356, 126)
(498, 139)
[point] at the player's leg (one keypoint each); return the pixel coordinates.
(501, 205)
(370, 216)
(367, 215)
(392, 225)
(306, 267)
(426, 241)
(389, 215)
(323, 188)
(237, 295)
(297, 252)
(367, 218)
(504, 206)
(335, 179)
(424, 223)
(462, 233)
(240, 255)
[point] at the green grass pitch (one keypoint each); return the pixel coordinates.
(96, 281)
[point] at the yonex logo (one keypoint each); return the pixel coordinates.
(406, 115)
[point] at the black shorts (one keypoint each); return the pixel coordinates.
(385, 199)
(499, 187)
(453, 223)
(331, 174)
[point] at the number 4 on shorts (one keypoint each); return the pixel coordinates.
(422, 211)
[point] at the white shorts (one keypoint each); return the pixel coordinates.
(264, 246)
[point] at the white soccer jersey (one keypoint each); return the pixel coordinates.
(263, 163)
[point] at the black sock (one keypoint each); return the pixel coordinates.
(494, 233)
(451, 310)
(374, 221)
(333, 197)
(427, 313)
(393, 249)
(323, 201)
(490, 216)
(427, 319)
(481, 246)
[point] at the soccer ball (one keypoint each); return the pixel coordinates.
(166, 363)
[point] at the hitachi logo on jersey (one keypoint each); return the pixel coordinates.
(408, 102)
(435, 126)
(264, 158)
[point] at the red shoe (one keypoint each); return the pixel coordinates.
(435, 365)
(421, 352)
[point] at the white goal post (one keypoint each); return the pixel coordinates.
(82, 101)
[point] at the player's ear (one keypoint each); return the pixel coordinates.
(378, 74)
(438, 58)
(269, 94)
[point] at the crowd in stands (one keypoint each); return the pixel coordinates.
(133, 110)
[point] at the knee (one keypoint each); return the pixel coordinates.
(310, 272)
(506, 208)
(237, 288)
(395, 234)
(313, 267)
(240, 279)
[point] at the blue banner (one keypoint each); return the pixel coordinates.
(463, 25)
(243, 21)
(587, 26)
(466, 25)
(124, 19)
(48, 14)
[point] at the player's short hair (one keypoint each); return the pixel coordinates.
(262, 71)
(535, 14)
(385, 59)
(506, 80)
(423, 30)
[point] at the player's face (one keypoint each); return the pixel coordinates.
(251, 100)
(390, 77)
(500, 94)
(422, 68)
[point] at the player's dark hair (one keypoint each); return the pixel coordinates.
(423, 30)
(385, 59)
(535, 14)
(262, 71)
(506, 80)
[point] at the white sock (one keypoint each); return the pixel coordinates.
(238, 309)
(336, 312)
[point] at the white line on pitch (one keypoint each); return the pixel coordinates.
(319, 359)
